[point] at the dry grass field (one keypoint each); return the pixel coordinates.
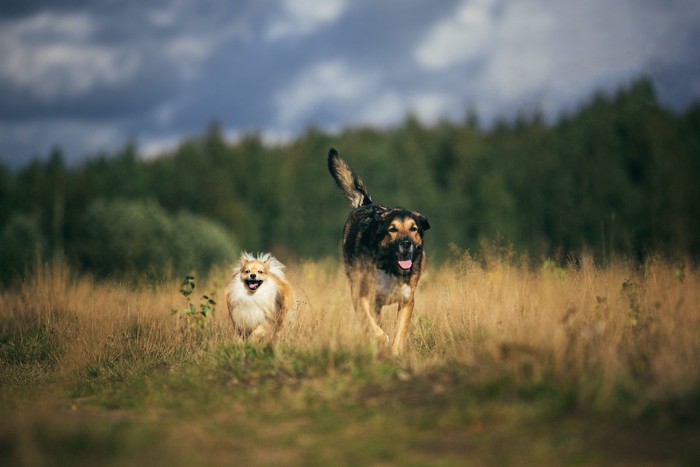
(506, 365)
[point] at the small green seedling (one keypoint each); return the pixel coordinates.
(196, 317)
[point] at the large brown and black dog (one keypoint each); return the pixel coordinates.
(383, 253)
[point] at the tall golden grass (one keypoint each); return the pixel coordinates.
(603, 330)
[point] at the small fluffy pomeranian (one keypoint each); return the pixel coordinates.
(258, 297)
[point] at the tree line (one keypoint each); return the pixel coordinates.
(618, 178)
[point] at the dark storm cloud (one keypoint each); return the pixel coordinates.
(20, 8)
(94, 75)
(117, 70)
(117, 58)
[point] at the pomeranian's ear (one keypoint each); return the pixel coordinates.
(245, 258)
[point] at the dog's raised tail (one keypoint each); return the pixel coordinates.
(352, 186)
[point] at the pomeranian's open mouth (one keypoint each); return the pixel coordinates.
(252, 284)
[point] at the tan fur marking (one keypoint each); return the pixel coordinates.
(367, 252)
(399, 228)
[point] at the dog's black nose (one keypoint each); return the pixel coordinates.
(405, 243)
(253, 276)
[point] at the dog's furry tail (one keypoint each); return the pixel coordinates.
(352, 186)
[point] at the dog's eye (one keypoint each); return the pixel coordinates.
(259, 271)
(393, 229)
(413, 228)
(247, 271)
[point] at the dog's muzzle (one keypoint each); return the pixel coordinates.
(404, 253)
(252, 282)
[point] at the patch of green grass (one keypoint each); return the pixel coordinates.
(506, 366)
(66, 437)
(27, 341)
(262, 404)
(29, 350)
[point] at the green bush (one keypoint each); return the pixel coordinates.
(120, 237)
(21, 243)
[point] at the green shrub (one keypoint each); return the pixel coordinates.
(21, 243)
(126, 237)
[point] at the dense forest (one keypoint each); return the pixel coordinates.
(617, 178)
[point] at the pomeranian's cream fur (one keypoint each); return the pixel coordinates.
(258, 296)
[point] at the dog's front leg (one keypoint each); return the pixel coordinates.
(365, 306)
(261, 333)
(367, 309)
(404, 322)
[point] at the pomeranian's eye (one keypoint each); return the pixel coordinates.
(247, 271)
(259, 271)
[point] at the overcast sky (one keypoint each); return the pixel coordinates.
(92, 76)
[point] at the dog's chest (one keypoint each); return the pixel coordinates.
(390, 288)
(251, 310)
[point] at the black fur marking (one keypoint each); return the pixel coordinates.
(366, 225)
(383, 260)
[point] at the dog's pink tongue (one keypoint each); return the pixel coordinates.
(405, 264)
(253, 286)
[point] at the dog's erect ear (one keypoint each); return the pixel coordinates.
(378, 223)
(422, 221)
(246, 258)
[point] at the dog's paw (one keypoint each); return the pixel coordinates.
(383, 343)
(397, 348)
(383, 339)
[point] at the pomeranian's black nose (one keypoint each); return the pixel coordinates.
(253, 276)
